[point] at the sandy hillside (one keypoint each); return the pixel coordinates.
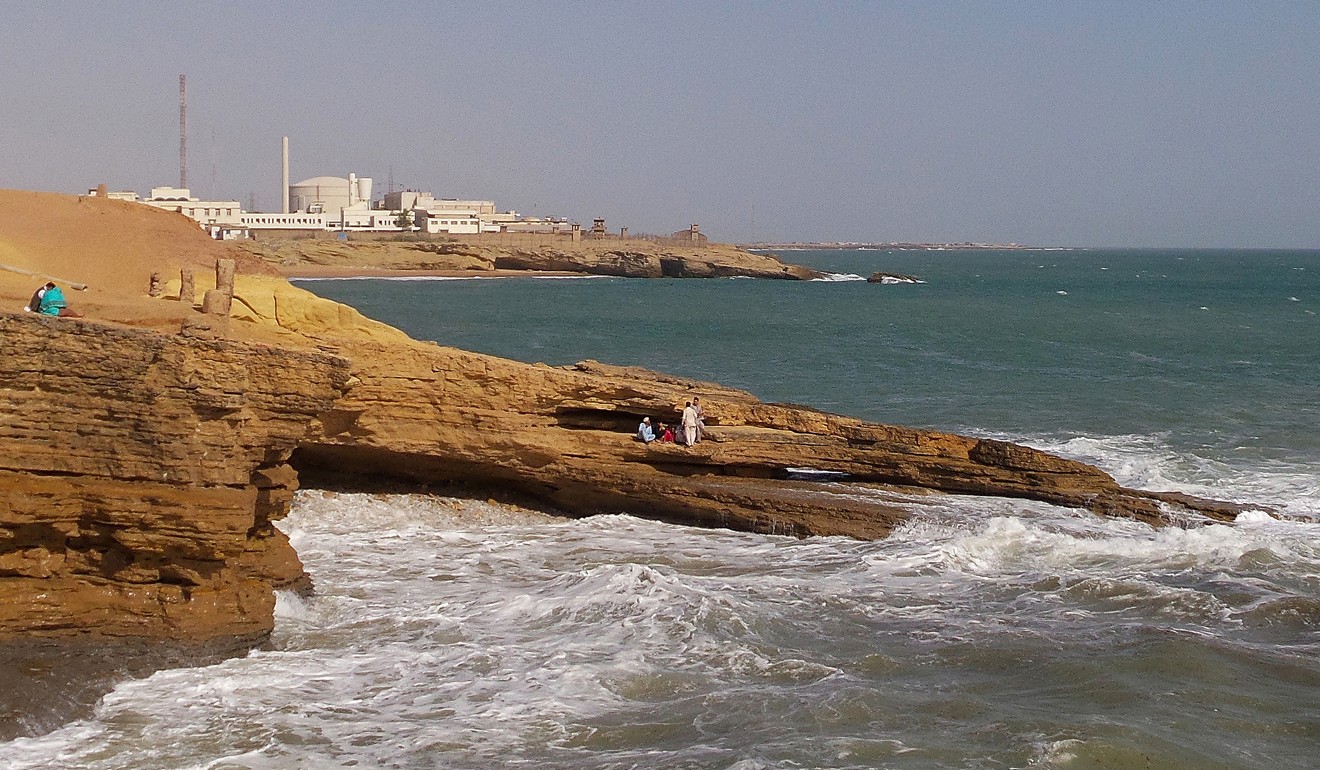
(111, 246)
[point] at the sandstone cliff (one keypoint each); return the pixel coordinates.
(632, 258)
(564, 435)
(140, 467)
(140, 473)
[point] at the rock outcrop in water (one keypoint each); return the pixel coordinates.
(891, 278)
(565, 435)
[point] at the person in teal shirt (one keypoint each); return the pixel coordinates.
(53, 303)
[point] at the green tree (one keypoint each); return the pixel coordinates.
(404, 220)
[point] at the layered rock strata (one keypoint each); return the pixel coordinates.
(140, 473)
(633, 258)
(565, 435)
(140, 468)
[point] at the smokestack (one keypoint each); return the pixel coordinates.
(284, 178)
(183, 132)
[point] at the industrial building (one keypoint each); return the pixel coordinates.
(179, 199)
(330, 195)
(339, 204)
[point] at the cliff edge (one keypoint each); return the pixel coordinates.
(140, 473)
(146, 449)
(505, 253)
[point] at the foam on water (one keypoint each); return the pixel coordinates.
(467, 634)
(840, 277)
(1146, 462)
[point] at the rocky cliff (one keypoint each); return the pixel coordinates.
(140, 473)
(565, 435)
(632, 258)
(142, 461)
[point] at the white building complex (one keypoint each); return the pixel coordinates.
(221, 219)
(337, 204)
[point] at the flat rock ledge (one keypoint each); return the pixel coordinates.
(564, 435)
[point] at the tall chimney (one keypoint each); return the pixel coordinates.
(284, 178)
(183, 131)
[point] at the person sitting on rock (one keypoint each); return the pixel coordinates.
(666, 434)
(644, 432)
(34, 304)
(52, 302)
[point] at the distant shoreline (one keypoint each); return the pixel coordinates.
(901, 246)
(309, 272)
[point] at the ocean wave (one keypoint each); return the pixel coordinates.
(1013, 544)
(1149, 462)
(836, 277)
(456, 633)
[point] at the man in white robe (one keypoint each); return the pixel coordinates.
(689, 424)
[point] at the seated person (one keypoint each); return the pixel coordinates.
(644, 432)
(34, 304)
(52, 302)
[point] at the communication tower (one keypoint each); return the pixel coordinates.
(183, 131)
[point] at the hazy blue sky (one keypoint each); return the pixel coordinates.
(1052, 123)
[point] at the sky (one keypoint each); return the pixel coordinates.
(1171, 124)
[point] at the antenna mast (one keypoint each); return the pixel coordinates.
(183, 131)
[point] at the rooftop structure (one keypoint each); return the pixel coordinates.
(407, 200)
(179, 199)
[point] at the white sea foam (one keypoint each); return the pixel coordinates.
(1146, 462)
(463, 633)
(834, 277)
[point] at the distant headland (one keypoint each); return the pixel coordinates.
(893, 246)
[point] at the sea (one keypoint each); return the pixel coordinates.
(984, 633)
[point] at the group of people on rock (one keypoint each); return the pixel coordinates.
(49, 300)
(690, 427)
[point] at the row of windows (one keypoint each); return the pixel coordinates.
(283, 220)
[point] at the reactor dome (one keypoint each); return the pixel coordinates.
(329, 194)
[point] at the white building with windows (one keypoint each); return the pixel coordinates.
(374, 221)
(257, 220)
(450, 215)
(458, 222)
(179, 199)
(411, 200)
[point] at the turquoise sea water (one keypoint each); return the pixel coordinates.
(1207, 349)
(986, 633)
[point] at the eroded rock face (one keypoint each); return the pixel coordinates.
(646, 260)
(566, 435)
(140, 473)
(631, 258)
